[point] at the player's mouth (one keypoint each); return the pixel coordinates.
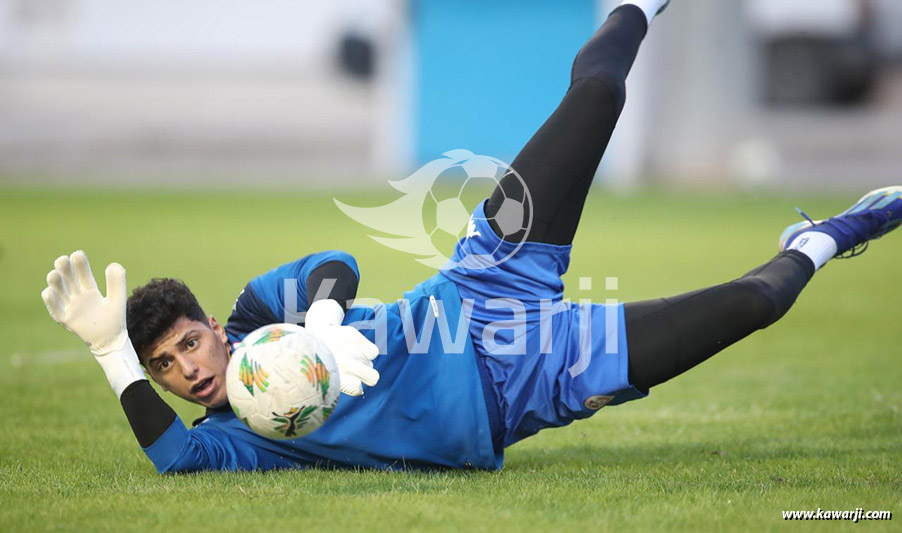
(204, 388)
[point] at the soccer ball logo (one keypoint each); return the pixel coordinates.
(282, 382)
(434, 212)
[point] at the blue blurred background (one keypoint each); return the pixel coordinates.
(725, 93)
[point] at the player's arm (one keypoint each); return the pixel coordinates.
(322, 285)
(74, 301)
(329, 275)
(173, 448)
(331, 286)
(207, 447)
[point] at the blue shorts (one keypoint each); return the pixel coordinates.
(544, 362)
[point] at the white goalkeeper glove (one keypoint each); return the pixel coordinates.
(353, 352)
(75, 302)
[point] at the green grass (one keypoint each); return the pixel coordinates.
(801, 416)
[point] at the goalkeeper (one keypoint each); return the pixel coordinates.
(462, 396)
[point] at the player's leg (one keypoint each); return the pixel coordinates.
(668, 336)
(557, 165)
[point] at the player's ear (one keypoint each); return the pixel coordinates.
(218, 329)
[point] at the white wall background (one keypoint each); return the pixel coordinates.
(208, 90)
(220, 91)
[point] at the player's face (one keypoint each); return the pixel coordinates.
(190, 361)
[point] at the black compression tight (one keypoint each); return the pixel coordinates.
(668, 336)
(558, 163)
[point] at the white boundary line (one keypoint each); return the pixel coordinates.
(50, 357)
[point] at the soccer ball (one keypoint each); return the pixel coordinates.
(282, 382)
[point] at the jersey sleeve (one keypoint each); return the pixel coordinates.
(181, 450)
(283, 294)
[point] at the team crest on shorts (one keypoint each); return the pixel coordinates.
(597, 401)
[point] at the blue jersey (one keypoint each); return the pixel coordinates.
(427, 410)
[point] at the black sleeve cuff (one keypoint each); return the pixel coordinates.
(148, 415)
(334, 280)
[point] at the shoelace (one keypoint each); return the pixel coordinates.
(856, 250)
(806, 217)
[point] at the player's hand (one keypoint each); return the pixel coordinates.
(74, 301)
(353, 352)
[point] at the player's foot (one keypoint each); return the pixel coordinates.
(876, 214)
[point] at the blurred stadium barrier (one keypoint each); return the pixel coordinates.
(281, 91)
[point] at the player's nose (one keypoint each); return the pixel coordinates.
(189, 367)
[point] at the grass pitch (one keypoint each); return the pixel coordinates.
(800, 416)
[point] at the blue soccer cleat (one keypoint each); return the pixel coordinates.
(876, 214)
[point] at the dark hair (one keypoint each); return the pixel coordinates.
(155, 307)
